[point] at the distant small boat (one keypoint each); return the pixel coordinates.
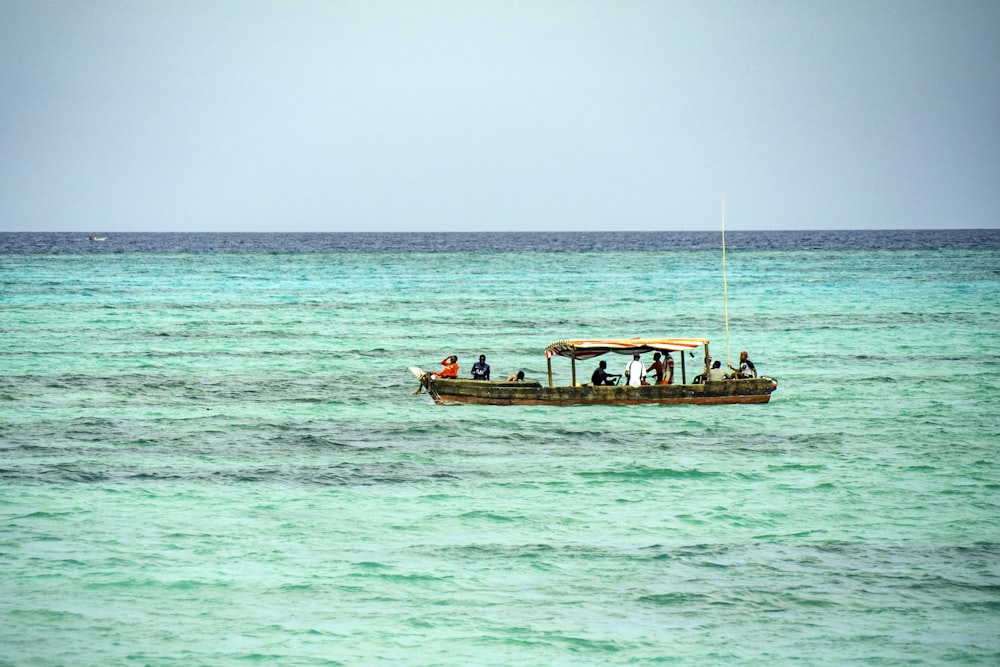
(97, 238)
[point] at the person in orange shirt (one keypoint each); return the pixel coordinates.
(450, 369)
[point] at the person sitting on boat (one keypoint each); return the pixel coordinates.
(601, 376)
(635, 372)
(517, 377)
(450, 369)
(746, 370)
(715, 374)
(481, 369)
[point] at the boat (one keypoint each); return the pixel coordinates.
(698, 391)
(97, 238)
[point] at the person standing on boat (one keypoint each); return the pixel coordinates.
(635, 372)
(481, 369)
(669, 363)
(450, 369)
(746, 370)
(656, 367)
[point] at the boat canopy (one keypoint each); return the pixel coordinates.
(588, 349)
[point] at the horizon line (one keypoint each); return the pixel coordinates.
(551, 231)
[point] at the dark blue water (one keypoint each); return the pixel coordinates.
(493, 242)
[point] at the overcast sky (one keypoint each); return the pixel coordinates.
(367, 115)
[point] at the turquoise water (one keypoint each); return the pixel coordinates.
(215, 459)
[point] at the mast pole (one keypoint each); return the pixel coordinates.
(725, 286)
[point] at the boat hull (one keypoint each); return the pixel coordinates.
(445, 392)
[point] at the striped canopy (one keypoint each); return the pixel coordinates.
(588, 349)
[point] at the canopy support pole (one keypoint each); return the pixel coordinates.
(573, 364)
(548, 360)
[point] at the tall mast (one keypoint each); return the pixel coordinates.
(725, 286)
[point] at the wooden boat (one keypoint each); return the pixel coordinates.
(756, 390)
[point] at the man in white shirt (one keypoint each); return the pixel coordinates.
(635, 372)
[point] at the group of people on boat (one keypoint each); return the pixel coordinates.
(480, 369)
(635, 374)
(663, 372)
(746, 371)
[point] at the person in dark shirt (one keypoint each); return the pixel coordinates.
(601, 376)
(481, 369)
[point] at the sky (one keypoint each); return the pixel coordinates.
(544, 115)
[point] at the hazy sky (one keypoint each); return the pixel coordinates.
(370, 115)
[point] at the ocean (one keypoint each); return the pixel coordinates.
(212, 453)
